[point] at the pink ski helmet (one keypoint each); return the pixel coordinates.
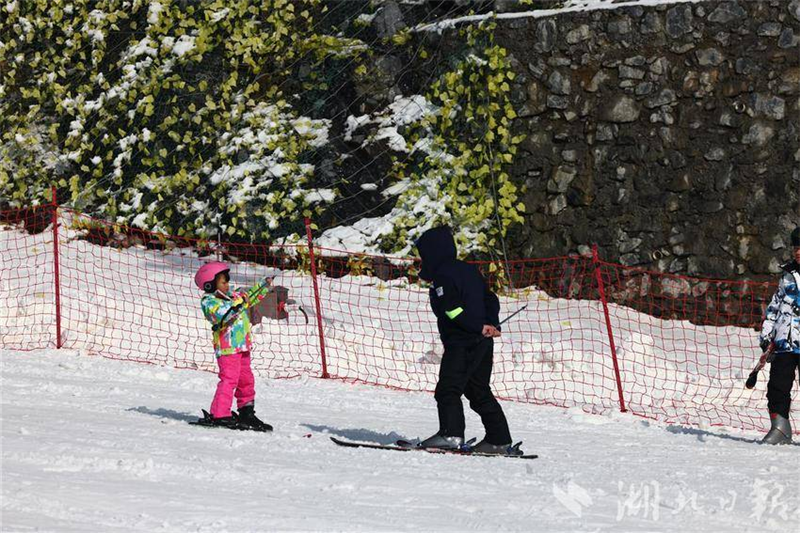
(204, 278)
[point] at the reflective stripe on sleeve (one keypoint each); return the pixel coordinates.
(454, 313)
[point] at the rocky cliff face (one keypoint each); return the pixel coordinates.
(668, 135)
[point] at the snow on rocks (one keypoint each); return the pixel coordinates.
(570, 6)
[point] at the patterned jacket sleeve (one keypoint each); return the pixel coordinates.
(215, 308)
(773, 309)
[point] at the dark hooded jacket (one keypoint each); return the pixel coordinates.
(460, 298)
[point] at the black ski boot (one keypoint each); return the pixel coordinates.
(247, 417)
(229, 422)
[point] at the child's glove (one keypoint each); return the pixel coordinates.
(258, 292)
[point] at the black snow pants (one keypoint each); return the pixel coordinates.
(781, 379)
(467, 371)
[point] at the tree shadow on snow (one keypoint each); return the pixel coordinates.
(164, 413)
(362, 435)
(702, 434)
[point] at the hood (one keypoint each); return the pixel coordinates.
(436, 246)
(791, 266)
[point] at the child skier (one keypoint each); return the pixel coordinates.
(225, 309)
(467, 318)
(782, 327)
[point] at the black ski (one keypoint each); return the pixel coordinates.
(207, 421)
(410, 447)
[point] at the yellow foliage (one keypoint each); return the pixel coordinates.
(128, 128)
(472, 127)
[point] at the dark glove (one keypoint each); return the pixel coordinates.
(765, 344)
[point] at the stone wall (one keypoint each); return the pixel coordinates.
(668, 135)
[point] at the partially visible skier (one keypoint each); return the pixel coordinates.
(225, 310)
(782, 327)
(467, 317)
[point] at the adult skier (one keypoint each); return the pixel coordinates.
(467, 318)
(782, 327)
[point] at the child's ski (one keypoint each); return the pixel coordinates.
(406, 448)
(208, 421)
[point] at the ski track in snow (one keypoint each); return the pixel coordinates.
(91, 444)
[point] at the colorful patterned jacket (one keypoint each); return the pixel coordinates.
(235, 336)
(782, 322)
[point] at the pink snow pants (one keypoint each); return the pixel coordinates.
(234, 374)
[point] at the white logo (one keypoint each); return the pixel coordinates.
(440, 291)
(575, 498)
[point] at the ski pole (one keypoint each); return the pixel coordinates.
(506, 319)
(509, 317)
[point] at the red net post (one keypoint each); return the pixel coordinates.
(56, 280)
(602, 292)
(313, 260)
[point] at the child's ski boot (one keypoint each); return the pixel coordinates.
(229, 422)
(247, 417)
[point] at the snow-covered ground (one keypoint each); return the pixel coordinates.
(91, 444)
